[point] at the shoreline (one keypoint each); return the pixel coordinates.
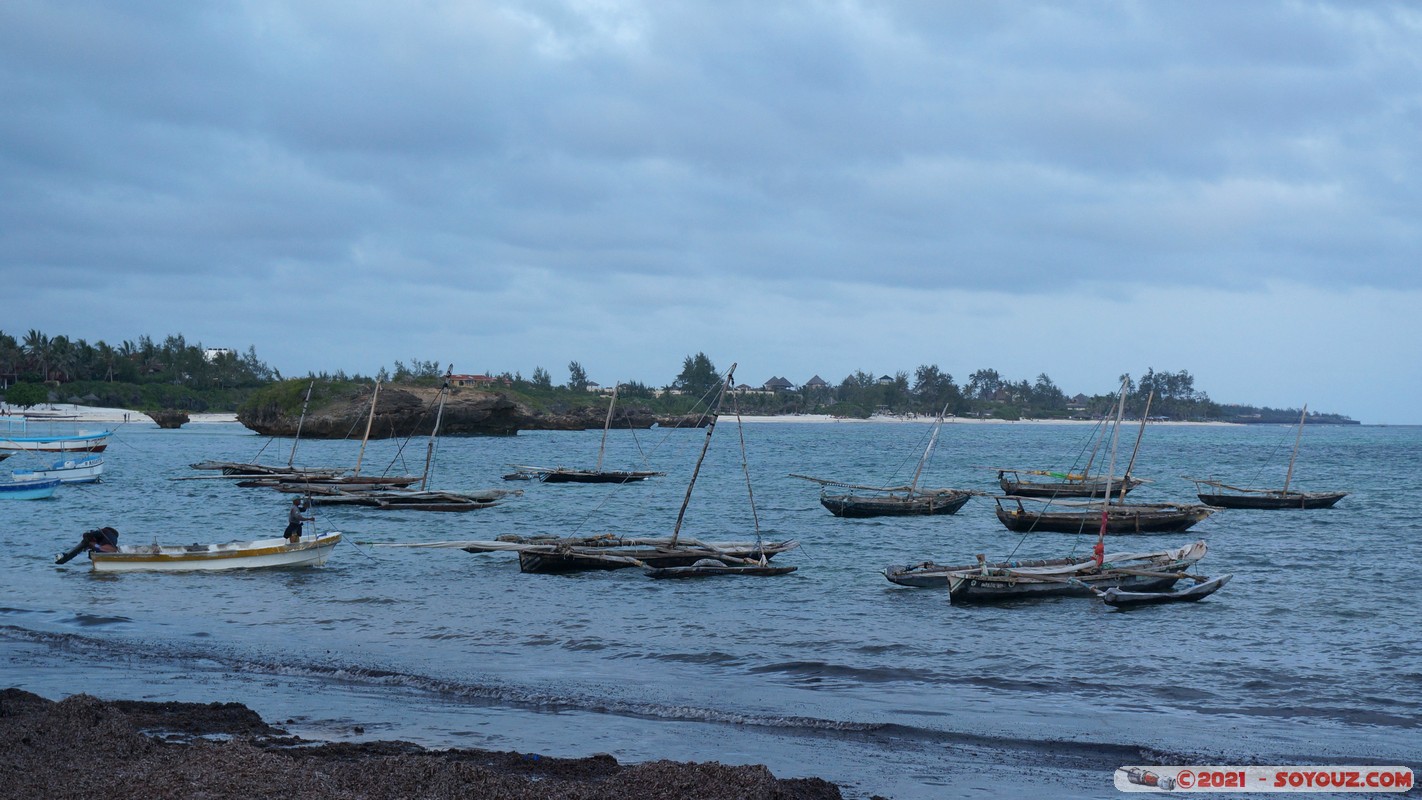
(929, 419)
(83, 746)
(70, 413)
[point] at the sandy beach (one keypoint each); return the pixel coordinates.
(66, 412)
(84, 747)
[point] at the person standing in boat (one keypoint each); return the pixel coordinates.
(294, 518)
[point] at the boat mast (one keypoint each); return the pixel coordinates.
(1290, 475)
(932, 440)
(299, 423)
(605, 425)
(439, 415)
(710, 428)
(368, 420)
(1100, 550)
(1126, 477)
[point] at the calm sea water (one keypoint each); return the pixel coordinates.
(1311, 654)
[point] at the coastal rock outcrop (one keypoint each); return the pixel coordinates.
(399, 411)
(169, 417)
(410, 411)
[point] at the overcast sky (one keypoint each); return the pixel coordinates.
(1076, 189)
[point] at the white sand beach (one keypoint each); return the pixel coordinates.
(928, 419)
(69, 412)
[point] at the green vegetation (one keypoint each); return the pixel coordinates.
(175, 374)
(142, 375)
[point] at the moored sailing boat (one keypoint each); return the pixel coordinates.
(1070, 576)
(423, 498)
(1236, 497)
(256, 475)
(690, 557)
(1065, 484)
(1119, 517)
(892, 501)
(595, 475)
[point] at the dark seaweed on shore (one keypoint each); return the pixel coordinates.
(84, 747)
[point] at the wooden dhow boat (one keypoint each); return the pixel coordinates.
(929, 575)
(1070, 576)
(566, 475)
(1152, 572)
(708, 567)
(1267, 499)
(254, 475)
(904, 501)
(892, 501)
(591, 553)
(1124, 598)
(1085, 517)
(595, 475)
(581, 554)
(1067, 484)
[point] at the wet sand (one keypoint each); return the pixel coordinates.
(83, 747)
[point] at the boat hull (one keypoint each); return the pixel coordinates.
(1142, 572)
(710, 570)
(80, 443)
(928, 575)
(259, 554)
(588, 559)
(979, 589)
(580, 476)
(1274, 500)
(1118, 598)
(79, 470)
(1086, 489)
(28, 490)
(1119, 521)
(859, 507)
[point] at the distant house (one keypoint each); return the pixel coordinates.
(213, 353)
(1002, 396)
(779, 385)
(885, 380)
(476, 381)
(816, 383)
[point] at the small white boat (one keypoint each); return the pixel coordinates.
(28, 490)
(258, 554)
(69, 470)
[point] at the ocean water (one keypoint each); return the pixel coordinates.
(1310, 656)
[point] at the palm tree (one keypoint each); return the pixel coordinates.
(37, 351)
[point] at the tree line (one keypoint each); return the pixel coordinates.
(142, 373)
(174, 373)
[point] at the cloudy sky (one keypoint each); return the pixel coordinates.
(1076, 189)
